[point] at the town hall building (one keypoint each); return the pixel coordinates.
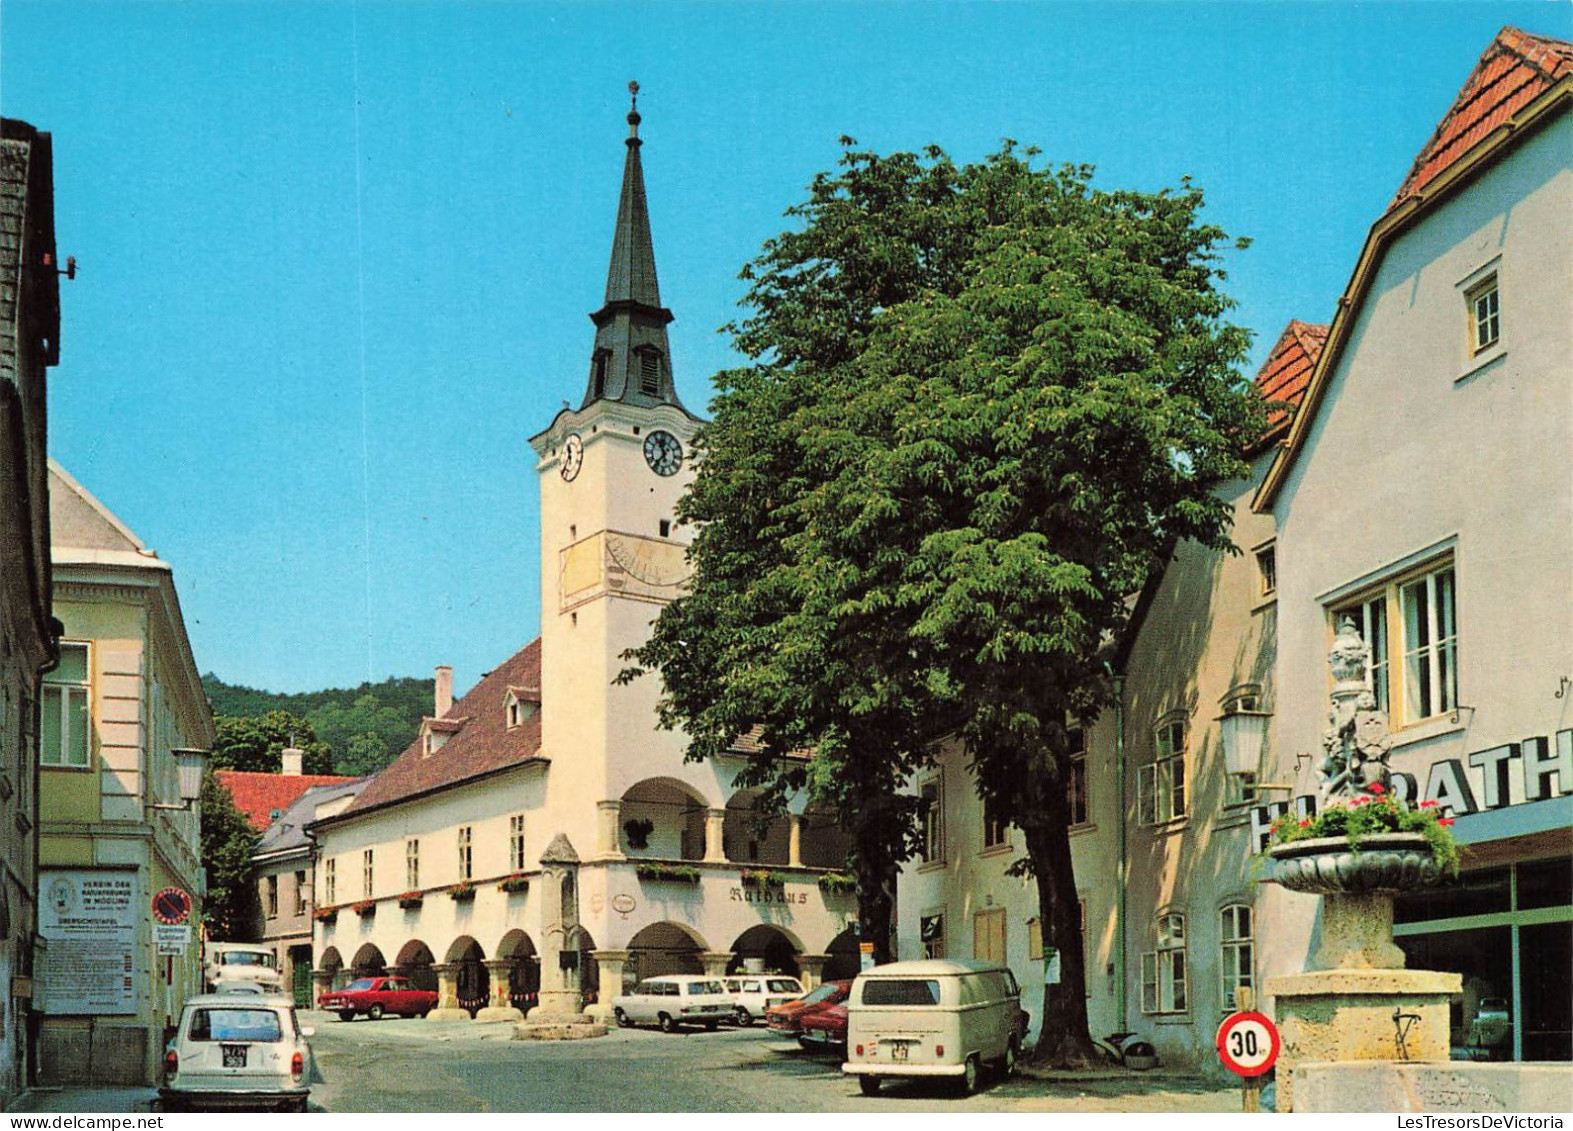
(544, 812)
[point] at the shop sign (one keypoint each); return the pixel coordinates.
(1512, 774)
(89, 919)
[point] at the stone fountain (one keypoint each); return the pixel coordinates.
(1356, 1001)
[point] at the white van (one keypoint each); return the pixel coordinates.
(933, 1018)
(225, 962)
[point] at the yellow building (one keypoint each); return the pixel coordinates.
(125, 696)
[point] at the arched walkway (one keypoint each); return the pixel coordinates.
(844, 960)
(470, 977)
(331, 964)
(524, 970)
(415, 960)
(665, 948)
(753, 837)
(662, 817)
(368, 962)
(826, 844)
(765, 949)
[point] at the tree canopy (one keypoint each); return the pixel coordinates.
(985, 403)
(230, 908)
(257, 744)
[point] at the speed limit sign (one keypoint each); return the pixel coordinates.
(1248, 1043)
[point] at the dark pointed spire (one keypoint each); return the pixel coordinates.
(632, 361)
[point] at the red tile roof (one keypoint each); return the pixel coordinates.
(1287, 371)
(483, 744)
(1515, 70)
(263, 796)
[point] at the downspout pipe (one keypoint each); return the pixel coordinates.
(1122, 871)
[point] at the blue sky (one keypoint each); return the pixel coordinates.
(336, 259)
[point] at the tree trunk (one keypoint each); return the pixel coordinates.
(1063, 1038)
(876, 907)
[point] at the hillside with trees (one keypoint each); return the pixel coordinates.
(350, 730)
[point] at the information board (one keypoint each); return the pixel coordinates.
(89, 917)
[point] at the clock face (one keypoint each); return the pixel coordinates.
(663, 452)
(573, 456)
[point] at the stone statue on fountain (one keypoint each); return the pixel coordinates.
(1357, 745)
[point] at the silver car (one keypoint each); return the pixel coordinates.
(674, 1000)
(237, 1050)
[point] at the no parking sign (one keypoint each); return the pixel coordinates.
(1248, 1043)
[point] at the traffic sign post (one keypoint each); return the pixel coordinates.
(1248, 1045)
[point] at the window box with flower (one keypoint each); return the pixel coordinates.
(760, 878)
(660, 870)
(462, 892)
(410, 900)
(518, 882)
(326, 915)
(366, 908)
(838, 883)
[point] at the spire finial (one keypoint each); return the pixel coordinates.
(633, 112)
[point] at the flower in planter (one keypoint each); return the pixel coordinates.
(638, 830)
(461, 891)
(1370, 814)
(762, 878)
(657, 870)
(514, 883)
(836, 883)
(411, 899)
(366, 908)
(325, 914)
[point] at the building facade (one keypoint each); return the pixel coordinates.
(550, 775)
(29, 343)
(1421, 488)
(124, 696)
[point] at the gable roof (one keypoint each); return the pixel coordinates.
(84, 530)
(1521, 82)
(483, 744)
(289, 831)
(260, 796)
(1286, 373)
(1514, 71)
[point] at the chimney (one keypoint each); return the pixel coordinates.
(293, 759)
(444, 690)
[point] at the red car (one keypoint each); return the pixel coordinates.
(824, 1028)
(786, 1018)
(377, 996)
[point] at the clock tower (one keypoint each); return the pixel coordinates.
(611, 472)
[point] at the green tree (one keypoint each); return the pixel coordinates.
(985, 404)
(257, 743)
(228, 840)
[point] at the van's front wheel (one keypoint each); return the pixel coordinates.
(869, 1085)
(970, 1075)
(1008, 1064)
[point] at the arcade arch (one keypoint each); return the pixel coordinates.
(471, 981)
(765, 949)
(664, 948)
(415, 961)
(662, 817)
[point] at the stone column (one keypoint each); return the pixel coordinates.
(560, 997)
(448, 1008)
(610, 815)
(499, 1008)
(715, 828)
(609, 966)
(813, 967)
(716, 962)
(795, 842)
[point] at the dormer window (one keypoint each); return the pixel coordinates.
(517, 707)
(650, 373)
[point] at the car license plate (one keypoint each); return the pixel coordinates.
(234, 1055)
(898, 1051)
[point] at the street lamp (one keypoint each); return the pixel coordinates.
(1242, 733)
(189, 764)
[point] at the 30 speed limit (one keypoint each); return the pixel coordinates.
(1248, 1043)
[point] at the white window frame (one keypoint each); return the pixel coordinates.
(466, 843)
(1237, 951)
(1485, 315)
(516, 843)
(1161, 793)
(1077, 800)
(934, 821)
(270, 891)
(932, 940)
(412, 864)
(71, 700)
(330, 881)
(301, 886)
(996, 832)
(1267, 570)
(1164, 973)
(367, 873)
(1387, 620)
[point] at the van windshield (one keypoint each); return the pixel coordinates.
(245, 958)
(901, 991)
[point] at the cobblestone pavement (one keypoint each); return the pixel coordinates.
(413, 1065)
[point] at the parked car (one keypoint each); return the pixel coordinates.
(825, 1028)
(232, 1050)
(786, 1019)
(239, 962)
(933, 1018)
(753, 994)
(674, 1000)
(378, 996)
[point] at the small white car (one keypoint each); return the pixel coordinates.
(752, 994)
(674, 1000)
(237, 1050)
(240, 962)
